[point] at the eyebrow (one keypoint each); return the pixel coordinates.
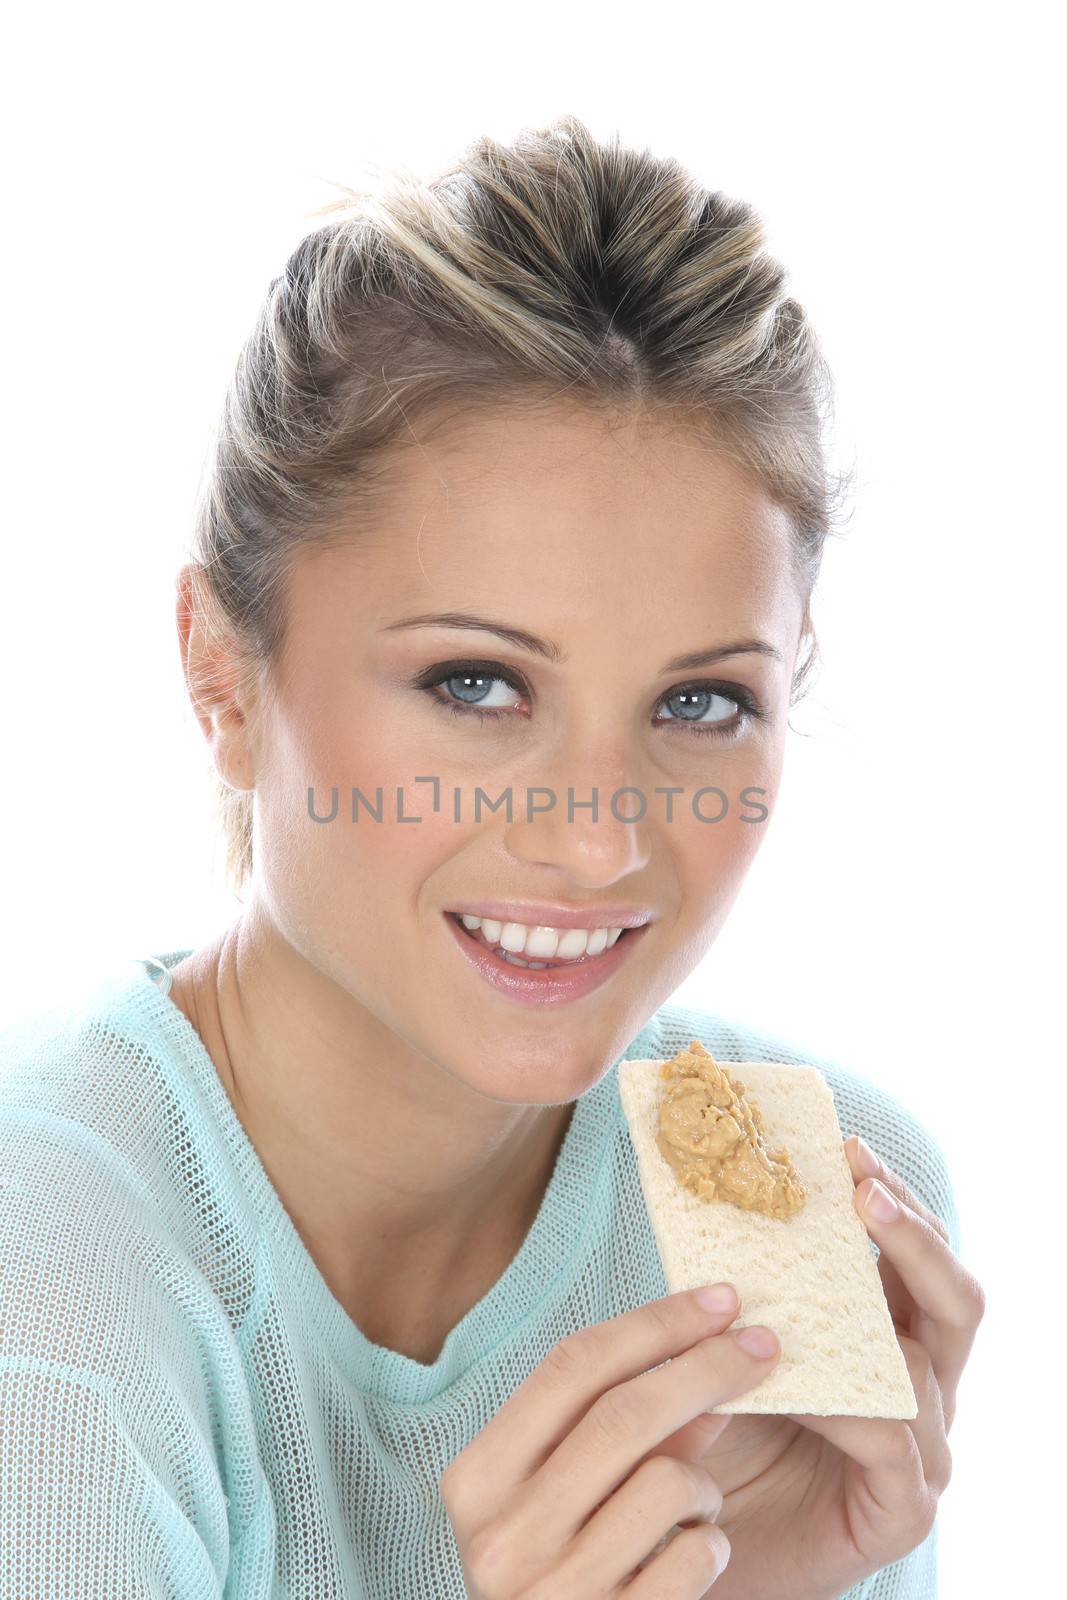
(549, 651)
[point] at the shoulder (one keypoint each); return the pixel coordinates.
(863, 1106)
(108, 1321)
(100, 1201)
(99, 1074)
(82, 1107)
(84, 1220)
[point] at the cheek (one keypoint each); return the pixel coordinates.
(326, 743)
(712, 857)
(360, 853)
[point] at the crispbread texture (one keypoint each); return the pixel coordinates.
(812, 1278)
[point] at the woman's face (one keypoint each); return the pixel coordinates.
(623, 549)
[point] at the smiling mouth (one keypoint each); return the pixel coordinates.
(521, 961)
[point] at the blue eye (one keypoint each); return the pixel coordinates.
(690, 706)
(468, 688)
(472, 682)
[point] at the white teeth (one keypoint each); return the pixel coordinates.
(544, 943)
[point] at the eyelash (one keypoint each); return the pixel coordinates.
(751, 710)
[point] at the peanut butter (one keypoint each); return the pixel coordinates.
(715, 1140)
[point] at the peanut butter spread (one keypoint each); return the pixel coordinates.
(715, 1140)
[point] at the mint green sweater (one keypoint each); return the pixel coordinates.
(185, 1409)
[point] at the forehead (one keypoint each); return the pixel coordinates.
(572, 518)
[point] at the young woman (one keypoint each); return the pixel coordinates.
(326, 1271)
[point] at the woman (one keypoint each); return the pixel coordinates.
(327, 1271)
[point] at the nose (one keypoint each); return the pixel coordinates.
(590, 820)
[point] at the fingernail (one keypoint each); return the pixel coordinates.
(866, 1159)
(719, 1297)
(757, 1341)
(880, 1204)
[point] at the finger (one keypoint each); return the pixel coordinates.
(928, 1427)
(555, 1396)
(628, 1423)
(697, 1548)
(897, 1508)
(930, 1424)
(946, 1295)
(867, 1163)
(902, 1307)
(692, 1441)
(627, 1531)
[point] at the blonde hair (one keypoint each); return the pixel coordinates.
(551, 268)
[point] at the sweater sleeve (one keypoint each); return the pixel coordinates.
(83, 1509)
(108, 1480)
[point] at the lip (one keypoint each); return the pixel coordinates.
(548, 986)
(547, 914)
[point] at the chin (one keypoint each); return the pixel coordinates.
(526, 1066)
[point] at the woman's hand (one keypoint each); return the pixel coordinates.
(845, 1496)
(565, 1493)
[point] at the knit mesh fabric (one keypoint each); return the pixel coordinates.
(185, 1409)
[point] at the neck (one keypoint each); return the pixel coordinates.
(382, 1158)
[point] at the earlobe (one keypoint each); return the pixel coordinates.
(229, 748)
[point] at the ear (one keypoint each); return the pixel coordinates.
(214, 674)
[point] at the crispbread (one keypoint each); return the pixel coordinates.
(812, 1277)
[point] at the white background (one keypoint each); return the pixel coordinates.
(904, 913)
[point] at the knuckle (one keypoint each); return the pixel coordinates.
(652, 1476)
(724, 1359)
(546, 1588)
(451, 1483)
(710, 1547)
(966, 1320)
(940, 1477)
(705, 1496)
(940, 1229)
(900, 1446)
(614, 1416)
(685, 1486)
(570, 1360)
(921, 1210)
(925, 1213)
(927, 1514)
(707, 1493)
(664, 1316)
(661, 1475)
(719, 1541)
(920, 1366)
(700, 1553)
(912, 1527)
(930, 1225)
(487, 1562)
(917, 1356)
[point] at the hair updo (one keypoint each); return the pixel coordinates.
(554, 268)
